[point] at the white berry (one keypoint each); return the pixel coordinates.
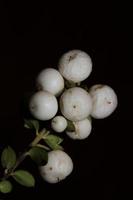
(82, 130)
(75, 66)
(104, 101)
(59, 166)
(75, 104)
(59, 124)
(43, 105)
(50, 80)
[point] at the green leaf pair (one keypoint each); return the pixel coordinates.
(22, 177)
(8, 161)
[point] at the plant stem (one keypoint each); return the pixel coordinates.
(43, 147)
(23, 155)
(36, 140)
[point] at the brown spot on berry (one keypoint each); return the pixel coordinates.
(72, 56)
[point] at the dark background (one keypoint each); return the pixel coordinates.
(33, 36)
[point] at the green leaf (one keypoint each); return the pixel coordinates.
(69, 84)
(24, 178)
(53, 141)
(70, 126)
(8, 158)
(39, 155)
(89, 118)
(5, 186)
(31, 124)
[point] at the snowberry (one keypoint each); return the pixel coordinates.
(82, 130)
(50, 80)
(75, 104)
(59, 166)
(75, 66)
(43, 105)
(104, 101)
(59, 124)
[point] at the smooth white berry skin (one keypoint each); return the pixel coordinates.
(75, 104)
(50, 80)
(104, 101)
(82, 130)
(59, 124)
(43, 105)
(75, 65)
(59, 166)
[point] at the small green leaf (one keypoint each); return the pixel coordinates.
(8, 158)
(39, 155)
(53, 141)
(70, 126)
(31, 124)
(89, 118)
(5, 186)
(69, 84)
(24, 178)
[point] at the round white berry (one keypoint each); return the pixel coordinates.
(59, 166)
(50, 80)
(104, 101)
(75, 104)
(59, 124)
(82, 130)
(43, 105)
(75, 66)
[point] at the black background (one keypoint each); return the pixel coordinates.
(34, 36)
